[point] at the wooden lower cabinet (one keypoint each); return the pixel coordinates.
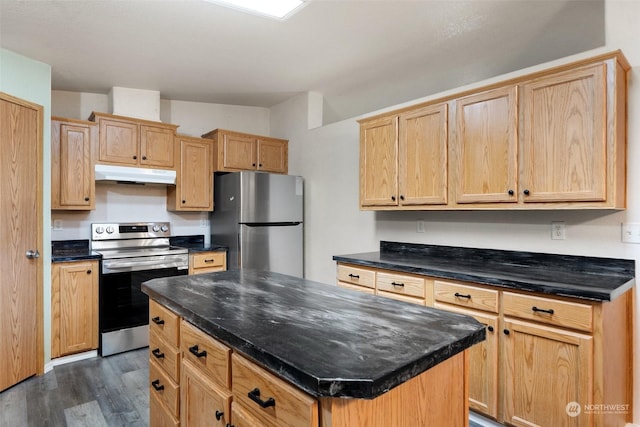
(74, 307)
(203, 403)
(159, 415)
(241, 418)
(207, 262)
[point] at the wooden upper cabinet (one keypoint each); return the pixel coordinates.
(379, 162)
(422, 149)
(194, 178)
(565, 139)
(126, 141)
(72, 181)
(235, 151)
(485, 148)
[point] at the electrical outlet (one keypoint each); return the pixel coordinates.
(558, 230)
(57, 224)
(631, 233)
(420, 227)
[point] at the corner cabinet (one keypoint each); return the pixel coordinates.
(72, 181)
(127, 141)
(74, 307)
(235, 151)
(553, 139)
(547, 360)
(194, 178)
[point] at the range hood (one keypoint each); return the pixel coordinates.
(129, 175)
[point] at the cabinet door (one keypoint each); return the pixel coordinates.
(118, 142)
(564, 144)
(486, 147)
(202, 402)
(548, 375)
(238, 152)
(483, 363)
(422, 145)
(379, 162)
(156, 146)
(273, 155)
(241, 418)
(195, 180)
(74, 307)
(72, 182)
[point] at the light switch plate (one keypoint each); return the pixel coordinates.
(630, 233)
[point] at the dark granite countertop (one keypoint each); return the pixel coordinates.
(72, 250)
(325, 340)
(195, 243)
(592, 278)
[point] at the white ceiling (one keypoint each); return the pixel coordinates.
(362, 55)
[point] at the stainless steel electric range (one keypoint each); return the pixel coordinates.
(132, 253)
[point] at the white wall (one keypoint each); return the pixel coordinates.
(328, 159)
(31, 80)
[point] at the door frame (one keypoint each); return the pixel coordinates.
(39, 109)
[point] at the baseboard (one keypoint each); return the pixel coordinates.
(69, 359)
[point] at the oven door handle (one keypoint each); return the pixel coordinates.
(115, 265)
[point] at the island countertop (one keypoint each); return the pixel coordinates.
(328, 341)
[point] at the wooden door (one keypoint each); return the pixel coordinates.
(422, 145)
(379, 162)
(156, 146)
(72, 181)
(273, 155)
(486, 147)
(238, 152)
(202, 402)
(548, 375)
(195, 181)
(21, 347)
(564, 144)
(74, 307)
(118, 142)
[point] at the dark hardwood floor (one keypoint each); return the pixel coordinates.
(97, 392)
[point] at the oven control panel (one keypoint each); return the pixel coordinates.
(130, 230)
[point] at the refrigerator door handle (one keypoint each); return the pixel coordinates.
(271, 224)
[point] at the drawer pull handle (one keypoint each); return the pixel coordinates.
(157, 386)
(354, 276)
(157, 353)
(157, 320)
(230, 425)
(219, 415)
(194, 350)
(459, 295)
(397, 284)
(208, 260)
(255, 396)
(539, 310)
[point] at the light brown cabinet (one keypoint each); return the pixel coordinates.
(74, 307)
(235, 151)
(203, 402)
(543, 357)
(126, 141)
(72, 181)
(207, 262)
(553, 139)
(194, 176)
(403, 158)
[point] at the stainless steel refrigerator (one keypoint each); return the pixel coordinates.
(259, 217)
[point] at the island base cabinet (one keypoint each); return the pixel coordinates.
(437, 397)
(159, 415)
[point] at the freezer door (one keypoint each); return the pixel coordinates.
(270, 197)
(276, 248)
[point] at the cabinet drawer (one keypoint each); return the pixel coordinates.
(164, 388)
(466, 296)
(357, 288)
(209, 259)
(269, 398)
(241, 418)
(357, 276)
(159, 415)
(548, 310)
(401, 284)
(401, 297)
(165, 355)
(164, 323)
(205, 353)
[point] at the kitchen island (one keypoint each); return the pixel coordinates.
(293, 352)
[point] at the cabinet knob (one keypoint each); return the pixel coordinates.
(393, 198)
(510, 192)
(526, 192)
(259, 164)
(506, 332)
(88, 271)
(135, 157)
(253, 164)
(401, 197)
(144, 157)
(86, 199)
(184, 201)
(490, 328)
